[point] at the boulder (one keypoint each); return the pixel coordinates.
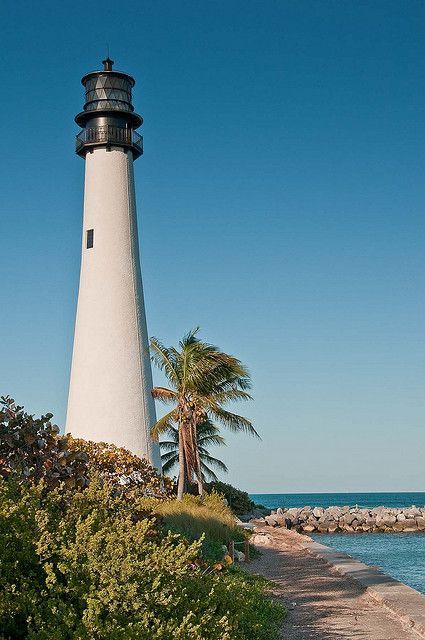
(326, 518)
(410, 524)
(385, 520)
(261, 538)
(349, 518)
(272, 520)
(304, 515)
(405, 525)
(378, 510)
(335, 512)
(420, 523)
(309, 528)
(412, 512)
(347, 528)
(318, 511)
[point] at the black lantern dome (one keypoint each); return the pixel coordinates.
(108, 118)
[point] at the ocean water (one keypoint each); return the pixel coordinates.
(400, 555)
(275, 500)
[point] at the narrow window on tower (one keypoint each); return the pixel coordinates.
(90, 238)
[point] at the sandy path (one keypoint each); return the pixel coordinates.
(322, 605)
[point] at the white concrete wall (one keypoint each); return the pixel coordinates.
(111, 380)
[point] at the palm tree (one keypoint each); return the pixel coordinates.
(207, 435)
(202, 380)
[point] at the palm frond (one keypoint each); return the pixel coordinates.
(168, 465)
(164, 360)
(208, 474)
(169, 455)
(164, 395)
(215, 440)
(215, 462)
(163, 424)
(189, 339)
(233, 421)
(230, 395)
(168, 445)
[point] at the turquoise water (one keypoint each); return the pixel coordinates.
(274, 500)
(400, 555)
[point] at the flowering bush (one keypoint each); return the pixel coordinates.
(133, 476)
(31, 449)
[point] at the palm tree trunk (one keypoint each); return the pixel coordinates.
(182, 465)
(198, 460)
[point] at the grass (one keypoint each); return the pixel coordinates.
(209, 516)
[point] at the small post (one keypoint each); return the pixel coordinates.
(246, 551)
(231, 548)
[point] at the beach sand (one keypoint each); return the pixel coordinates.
(322, 605)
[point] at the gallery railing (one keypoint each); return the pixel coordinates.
(109, 135)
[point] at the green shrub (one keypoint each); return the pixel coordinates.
(239, 501)
(89, 565)
(31, 449)
(133, 477)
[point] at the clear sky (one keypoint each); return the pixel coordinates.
(281, 206)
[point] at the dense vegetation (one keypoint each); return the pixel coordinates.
(92, 565)
(239, 501)
(93, 547)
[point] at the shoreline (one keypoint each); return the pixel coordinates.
(322, 571)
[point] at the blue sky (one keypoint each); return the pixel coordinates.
(281, 206)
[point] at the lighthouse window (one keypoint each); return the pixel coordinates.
(90, 238)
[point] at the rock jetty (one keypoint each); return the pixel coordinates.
(347, 519)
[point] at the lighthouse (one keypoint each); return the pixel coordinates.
(110, 396)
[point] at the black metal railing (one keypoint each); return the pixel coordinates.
(109, 134)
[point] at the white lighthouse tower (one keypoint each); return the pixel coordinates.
(111, 380)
